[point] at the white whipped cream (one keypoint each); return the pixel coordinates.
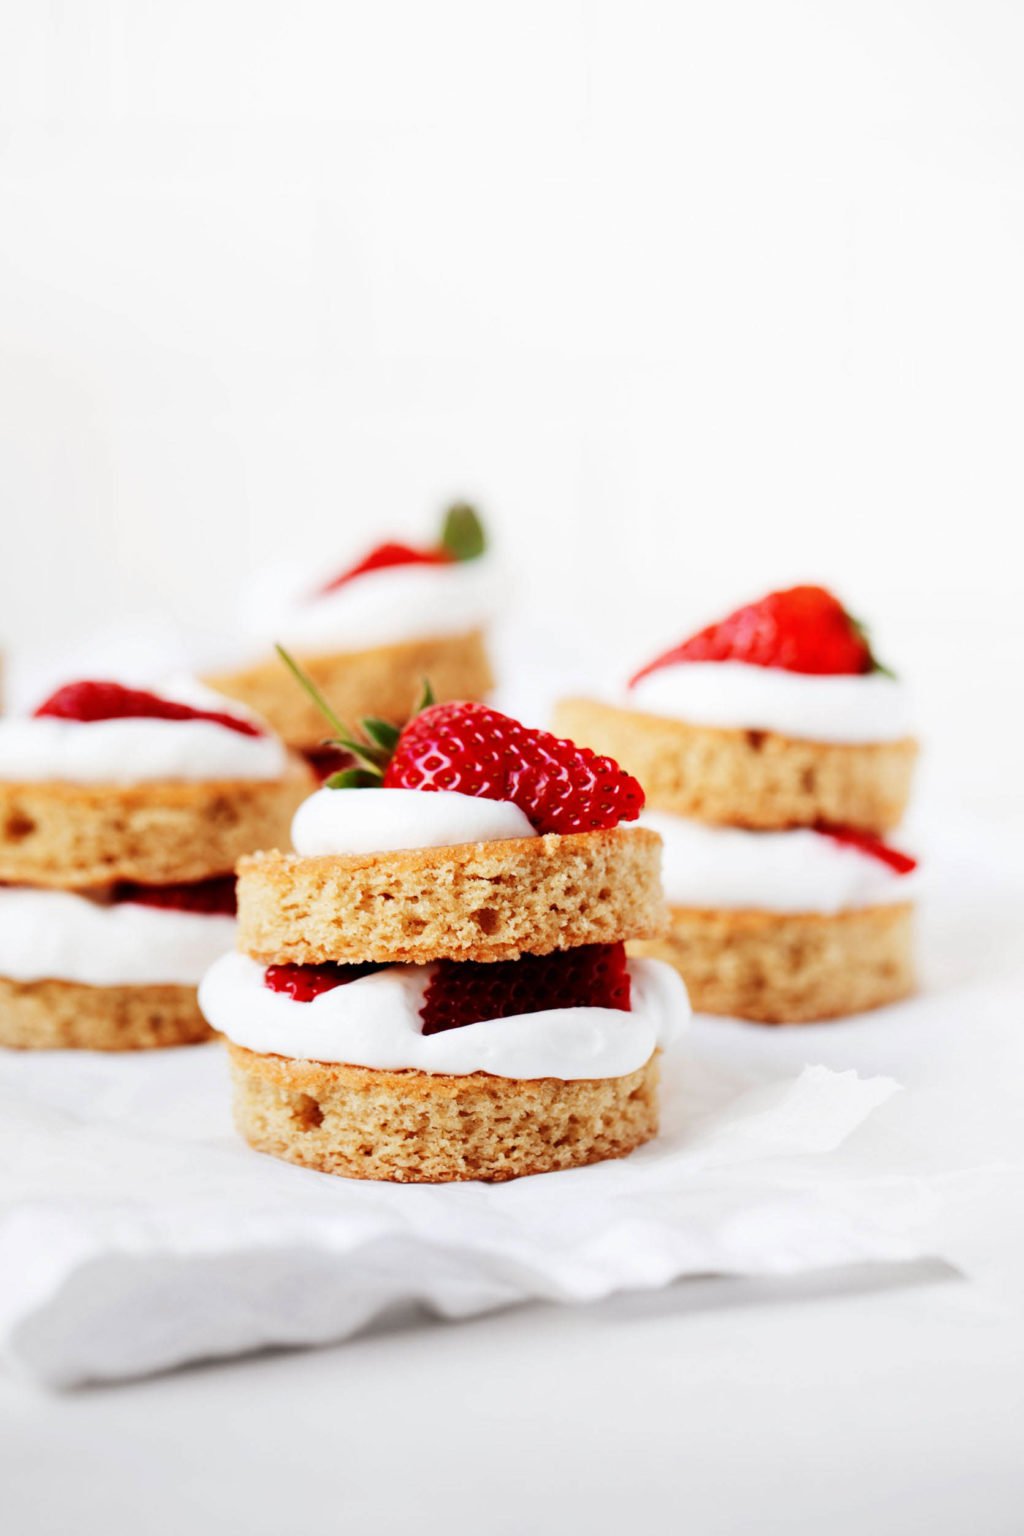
(374, 1022)
(386, 820)
(736, 696)
(59, 936)
(131, 751)
(384, 607)
(794, 871)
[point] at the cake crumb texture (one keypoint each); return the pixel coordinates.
(72, 836)
(416, 1127)
(67, 1015)
(386, 682)
(786, 968)
(478, 901)
(755, 779)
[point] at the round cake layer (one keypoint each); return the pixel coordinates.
(477, 901)
(790, 968)
(748, 778)
(67, 1015)
(385, 682)
(415, 1127)
(79, 835)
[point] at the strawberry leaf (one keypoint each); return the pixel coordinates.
(462, 534)
(382, 733)
(353, 778)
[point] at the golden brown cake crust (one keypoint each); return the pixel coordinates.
(69, 836)
(478, 901)
(67, 1015)
(790, 968)
(385, 682)
(415, 1127)
(753, 779)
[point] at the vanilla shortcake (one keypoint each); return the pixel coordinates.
(773, 750)
(785, 927)
(370, 634)
(122, 813)
(434, 986)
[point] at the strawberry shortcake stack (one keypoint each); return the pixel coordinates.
(434, 985)
(369, 634)
(122, 814)
(776, 754)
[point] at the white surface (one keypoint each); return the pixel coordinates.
(734, 696)
(794, 871)
(60, 936)
(382, 820)
(374, 1021)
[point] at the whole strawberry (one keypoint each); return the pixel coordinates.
(476, 750)
(90, 701)
(466, 991)
(802, 629)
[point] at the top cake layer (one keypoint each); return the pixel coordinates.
(491, 900)
(107, 783)
(749, 778)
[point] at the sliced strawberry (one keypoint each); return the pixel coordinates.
(215, 896)
(462, 538)
(803, 629)
(327, 759)
(479, 751)
(89, 701)
(465, 991)
(385, 556)
(866, 842)
(304, 982)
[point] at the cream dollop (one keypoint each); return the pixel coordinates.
(386, 820)
(794, 871)
(736, 696)
(136, 750)
(383, 607)
(59, 936)
(374, 1022)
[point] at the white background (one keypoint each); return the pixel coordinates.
(697, 298)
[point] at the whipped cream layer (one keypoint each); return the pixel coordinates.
(387, 820)
(374, 1022)
(383, 607)
(59, 936)
(136, 750)
(794, 871)
(733, 695)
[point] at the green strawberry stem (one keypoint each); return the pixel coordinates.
(865, 635)
(462, 534)
(373, 756)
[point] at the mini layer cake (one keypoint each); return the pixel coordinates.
(435, 986)
(785, 927)
(122, 813)
(773, 751)
(370, 635)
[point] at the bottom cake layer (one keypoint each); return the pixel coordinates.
(68, 1015)
(790, 968)
(423, 1128)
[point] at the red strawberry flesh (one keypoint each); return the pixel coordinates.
(89, 701)
(802, 629)
(304, 982)
(478, 751)
(464, 992)
(384, 557)
(214, 897)
(867, 843)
